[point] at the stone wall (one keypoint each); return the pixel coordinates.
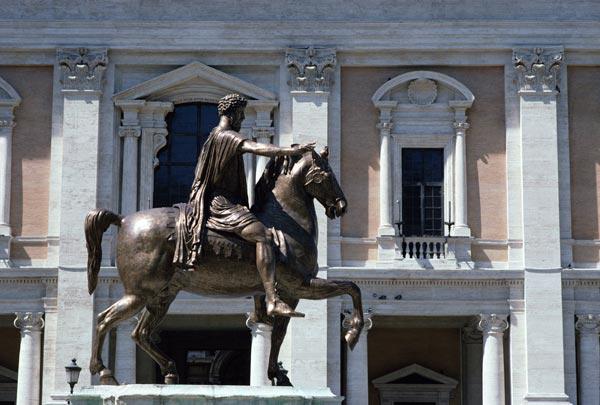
(584, 127)
(30, 158)
(486, 153)
(336, 10)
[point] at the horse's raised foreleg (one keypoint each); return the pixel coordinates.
(320, 289)
(280, 325)
(121, 310)
(148, 323)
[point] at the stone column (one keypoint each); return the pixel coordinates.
(82, 71)
(357, 362)
(259, 352)
(129, 185)
(537, 71)
(30, 356)
(492, 388)
(154, 138)
(125, 358)
(473, 359)
(7, 123)
(588, 350)
(385, 126)
(262, 131)
(386, 233)
(460, 227)
(311, 75)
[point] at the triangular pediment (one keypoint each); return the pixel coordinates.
(193, 82)
(415, 374)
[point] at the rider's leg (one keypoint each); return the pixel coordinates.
(265, 262)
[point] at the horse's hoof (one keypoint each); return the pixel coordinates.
(280, 308)
(107, 378)
(351, 338)
(171, 378)
(96, 368)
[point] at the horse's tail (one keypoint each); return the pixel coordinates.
(96, 223)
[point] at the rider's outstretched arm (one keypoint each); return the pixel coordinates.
(271, 150)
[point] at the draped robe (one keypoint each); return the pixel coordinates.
(218, 199)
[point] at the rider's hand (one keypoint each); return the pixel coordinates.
(307, 147)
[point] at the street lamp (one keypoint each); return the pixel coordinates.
(73, 371)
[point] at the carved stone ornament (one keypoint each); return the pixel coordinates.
(492, 323)
(538, 70)
(422, 91)
(134, 132)
(82, 68)
(588, 324)
(159, 141)
(311, 69)
(471, 333)
(29, 321)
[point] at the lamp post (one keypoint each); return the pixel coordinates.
(73, 371)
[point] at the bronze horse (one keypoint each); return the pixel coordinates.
(145, 249)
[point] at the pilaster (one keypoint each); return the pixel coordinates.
(81, 79)
(125, 353)
(7, 123)
(472, 340)
(538, 74)
(310, 78)
(357, 361)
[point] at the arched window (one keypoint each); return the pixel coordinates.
(189, 126)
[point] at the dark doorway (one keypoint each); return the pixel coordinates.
(220, 357)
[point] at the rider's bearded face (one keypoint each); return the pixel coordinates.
(236, 119)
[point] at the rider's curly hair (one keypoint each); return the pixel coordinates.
(230, 103)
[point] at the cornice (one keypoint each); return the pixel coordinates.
(276, 35)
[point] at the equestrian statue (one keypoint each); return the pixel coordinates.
(215, 245)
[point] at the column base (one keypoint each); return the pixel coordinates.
(461, 230)
(546, 399)
(386, 249)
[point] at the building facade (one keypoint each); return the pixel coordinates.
(463, 135)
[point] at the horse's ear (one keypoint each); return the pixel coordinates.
(325, 152)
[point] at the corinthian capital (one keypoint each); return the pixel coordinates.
(588, 324)
(82, 68)
(311, 69)
(492, 323)
(538, 69)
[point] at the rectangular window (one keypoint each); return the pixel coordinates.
(422, 191)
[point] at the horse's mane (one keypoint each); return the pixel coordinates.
(275, 167)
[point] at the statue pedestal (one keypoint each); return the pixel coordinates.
(151, 394)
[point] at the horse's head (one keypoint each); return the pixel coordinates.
(320, 183)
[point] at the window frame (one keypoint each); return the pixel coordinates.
(423, 141)
(173, 135)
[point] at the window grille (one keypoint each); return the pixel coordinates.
(189, 126)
